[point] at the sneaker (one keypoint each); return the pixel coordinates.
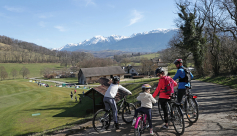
(194, 116)
(151, 132)
(106, 125)
(116, 126)
(133, 122)
(165, 127)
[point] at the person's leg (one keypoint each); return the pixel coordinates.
(147, 111)
(163, 106)
(181, 93)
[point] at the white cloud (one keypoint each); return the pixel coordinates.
(136, 17)
(42, 24)
(60, 28)
(14, 9)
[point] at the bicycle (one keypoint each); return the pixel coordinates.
(102, 118)
(175, 114)
(190, 106)
(140, 125)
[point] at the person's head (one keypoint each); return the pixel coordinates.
(160, 72)
(178, 63)
(146, 88)
(115, 80)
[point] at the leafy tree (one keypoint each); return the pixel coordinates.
(14, 73)
(192, 28)
(24, 71)
(3, 73)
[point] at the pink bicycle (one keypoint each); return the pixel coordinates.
(140, 125)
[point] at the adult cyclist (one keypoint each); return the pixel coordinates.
(180, 74)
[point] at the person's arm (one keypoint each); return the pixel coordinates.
(177, 75)
(124, 89)
(152, 99)
(158, 88)
(139, 98)
(175, 83)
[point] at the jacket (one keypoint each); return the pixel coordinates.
(146, 100)
(113, 89)
(160, 87)
(181, 74)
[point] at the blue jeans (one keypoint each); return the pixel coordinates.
(146, 111)
(110, 103)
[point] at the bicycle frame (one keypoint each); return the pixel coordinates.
(122, 103)
(143, 118)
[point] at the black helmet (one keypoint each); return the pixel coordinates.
(159, 70)
(115, 79)
(177, 61)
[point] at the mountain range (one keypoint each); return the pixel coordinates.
(151, 41)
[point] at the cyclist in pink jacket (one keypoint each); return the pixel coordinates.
(163, 97)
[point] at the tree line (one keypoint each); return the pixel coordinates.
(23, 72)
(207, 36)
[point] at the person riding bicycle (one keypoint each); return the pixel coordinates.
(146, 105)
(164, 97)
(181, 75)
(109, 96)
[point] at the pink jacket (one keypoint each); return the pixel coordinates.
(161, 86)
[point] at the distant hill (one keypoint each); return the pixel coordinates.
(151, 41)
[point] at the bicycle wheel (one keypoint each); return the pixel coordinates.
(101, 120)
(192, 110)
(138, 128)
(178, 119)
(128, 113)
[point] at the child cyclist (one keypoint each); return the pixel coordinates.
(164, 96)
(109, 96)
(146, 105)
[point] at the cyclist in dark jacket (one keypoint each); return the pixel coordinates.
(181, 74)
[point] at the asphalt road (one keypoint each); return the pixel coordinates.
(217, 116)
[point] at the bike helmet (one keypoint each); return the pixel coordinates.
(145, 86)
(115, 79)
(177, 61)
(159, 70)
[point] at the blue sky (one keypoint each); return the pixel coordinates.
(55, 23)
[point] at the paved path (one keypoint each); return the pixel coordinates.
(217, 108)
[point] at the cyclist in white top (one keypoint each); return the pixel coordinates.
(109, 96)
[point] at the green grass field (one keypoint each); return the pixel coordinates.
(19, 99)
(150, 56)
(34, 68)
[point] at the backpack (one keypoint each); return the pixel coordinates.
(169, 85)
(187, 77)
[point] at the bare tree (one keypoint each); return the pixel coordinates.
(3, 73)
(24, 71)
(14, 73)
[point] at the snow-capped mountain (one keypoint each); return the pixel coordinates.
(139, 42)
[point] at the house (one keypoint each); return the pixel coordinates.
(91, 75)
(133, 70)
(97, 94)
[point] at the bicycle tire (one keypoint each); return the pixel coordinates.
(178, 119)
(192, 110)
(99, 120)
(128, 113)
(137, 131)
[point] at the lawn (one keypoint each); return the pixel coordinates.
(34, 68)
(20, 99)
